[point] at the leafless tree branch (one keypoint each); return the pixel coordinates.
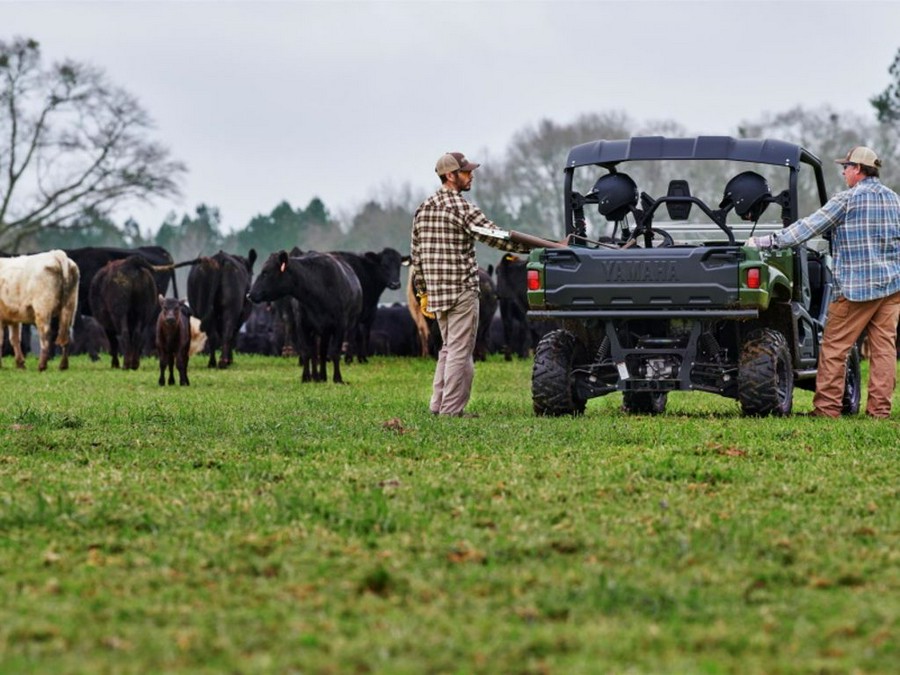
(70, 141)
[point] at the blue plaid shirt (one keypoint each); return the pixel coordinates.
(866, 239)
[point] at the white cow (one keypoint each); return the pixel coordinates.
(34, 289)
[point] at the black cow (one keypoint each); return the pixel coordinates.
(173, 340)
(511, 294)
(262, 333)
(520, 333)
(217, 293)
(393, 332)
(89, 339)
(91, 259)
(375, 271)
(487, 307)
(329, 298)
(123, 300)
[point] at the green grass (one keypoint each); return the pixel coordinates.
(251, 523)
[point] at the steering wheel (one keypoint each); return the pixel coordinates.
(667, 239)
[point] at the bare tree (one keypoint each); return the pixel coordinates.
(829, 134)
(70, 141)
(525, 190)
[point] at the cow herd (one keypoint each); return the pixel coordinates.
(322, 307)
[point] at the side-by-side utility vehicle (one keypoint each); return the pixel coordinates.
(662, 294)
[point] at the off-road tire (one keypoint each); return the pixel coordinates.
(765, 375)
(852, 384)
(552, 387)
(644, 402)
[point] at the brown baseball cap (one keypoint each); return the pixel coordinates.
(453, 161)
(861, 155)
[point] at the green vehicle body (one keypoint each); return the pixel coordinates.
(699, 312)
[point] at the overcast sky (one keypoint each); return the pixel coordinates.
(266, 101)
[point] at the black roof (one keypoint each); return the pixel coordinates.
(762, 151)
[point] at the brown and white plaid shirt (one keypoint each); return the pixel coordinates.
(442, 247)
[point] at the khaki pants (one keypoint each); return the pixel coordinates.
(455, 368)
(846, 322)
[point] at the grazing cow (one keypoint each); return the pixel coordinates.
(123, 300)
(217, 293)
(393, 332)
(375, 271)
(329, 298)
(173, 340)
(35, 289)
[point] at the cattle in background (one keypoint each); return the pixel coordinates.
(487, 307)
(262, 333)
(91, 259)
(513, 301)
(495, 335)
(123, 300)
(375, 271)
(429, 334)
(330, 300)
(426, 327)
(217, 293)
(25, 342)
(520, 334)
(173, 340)
(393, 332)
(198, 337)
(90, 338)
(36, 289)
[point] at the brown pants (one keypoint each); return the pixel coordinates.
(846, 322)
(455, 368)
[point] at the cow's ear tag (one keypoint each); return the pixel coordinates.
(283, 266)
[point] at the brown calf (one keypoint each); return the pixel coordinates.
(173, 340)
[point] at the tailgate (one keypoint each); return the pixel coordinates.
(642, 278)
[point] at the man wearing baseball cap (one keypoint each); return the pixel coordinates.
(865, 224)
(445, 276)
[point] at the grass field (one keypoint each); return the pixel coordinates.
(250, 523)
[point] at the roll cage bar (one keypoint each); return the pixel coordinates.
(610, 153)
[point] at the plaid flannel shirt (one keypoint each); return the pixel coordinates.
(866, 239)
(442, 247)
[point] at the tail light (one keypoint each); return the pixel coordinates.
(753, 277)
(533, 280)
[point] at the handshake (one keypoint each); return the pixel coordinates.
(764, 242)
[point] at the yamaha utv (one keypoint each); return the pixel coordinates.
(656, 291)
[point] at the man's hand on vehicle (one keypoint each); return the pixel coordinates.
(763, 242)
